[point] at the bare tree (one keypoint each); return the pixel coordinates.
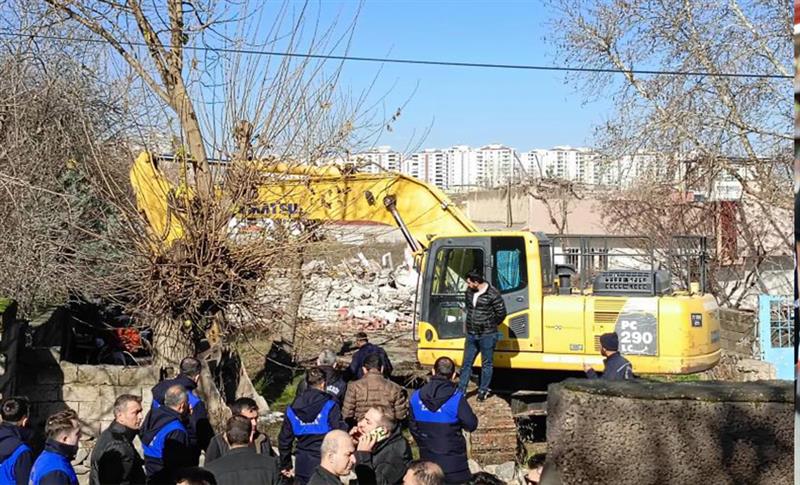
(245, 120)
(695, 128)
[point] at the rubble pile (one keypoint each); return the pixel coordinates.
(359, 293)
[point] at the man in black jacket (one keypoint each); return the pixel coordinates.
(439, 414)
(365, 348)
(382, 461)
(244, 406)
(337, 459)
(242, 465)
(312, 415)
(114, 458)
(485, 311)
(198, 424)
(335, 385)
(617, 367)
(16, 457)
(165, 437)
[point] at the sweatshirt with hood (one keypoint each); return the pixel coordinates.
(443, 442)
(307, 407)
(11, 438)
(177, 452)
(198, 424)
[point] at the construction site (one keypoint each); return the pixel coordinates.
(205, 191)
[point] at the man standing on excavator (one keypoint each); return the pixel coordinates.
(485, 311)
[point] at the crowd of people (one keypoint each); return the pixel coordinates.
(340, 423)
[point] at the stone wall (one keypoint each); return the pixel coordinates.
(643, 433)
(88, 389)
(738, 332)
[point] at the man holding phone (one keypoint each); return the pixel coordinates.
(382, 453)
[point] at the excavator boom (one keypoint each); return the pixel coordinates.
(318, 193)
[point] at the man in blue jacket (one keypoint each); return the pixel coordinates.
(16, 457)
(439, 413)
(198, 426)
(364, 349)
(617, 367)
(165, 437)
(53, 466)
(312, 414)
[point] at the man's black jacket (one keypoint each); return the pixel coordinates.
(115, 460)
(242, 466)
(617, 368)
(218, 446)
(322, 476)
(387, 463)
(355, 370)
(490, 311)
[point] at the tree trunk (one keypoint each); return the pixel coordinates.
(289, 321)
(171, 343)
(194, 140)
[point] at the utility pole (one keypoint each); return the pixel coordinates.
(509, 218)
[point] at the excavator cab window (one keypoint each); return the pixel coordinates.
(446, 309)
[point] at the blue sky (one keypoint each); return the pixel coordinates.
(524, 109)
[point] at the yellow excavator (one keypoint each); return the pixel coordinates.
(552, 324)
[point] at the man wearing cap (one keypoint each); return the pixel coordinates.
(617, 367)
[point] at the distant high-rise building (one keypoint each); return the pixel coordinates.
(430, 165)
(377, 159)
(464, 169)
(495, 163)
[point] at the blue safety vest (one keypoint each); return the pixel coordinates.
(447, 414)
(7, 467)
(155, 449)
(318, 426)
(48, 462)
(193, 401)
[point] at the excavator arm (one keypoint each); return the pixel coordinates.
(325, 194)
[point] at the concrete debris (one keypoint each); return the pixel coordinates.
(359, 293)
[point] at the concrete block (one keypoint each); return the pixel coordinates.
(701, 432)
(96, 374)
(52, 374)
(96, 410)
(81, 393)
(69, 372)
(137, 376)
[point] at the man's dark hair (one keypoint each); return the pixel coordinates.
(484, 478)
(315, 376)
(238, 430)
(476, 276)
(426, 472)
(537, 460)
(195, 476)
(14, 409)
(190, 366)
(445, 367)
(243, 404)
(361, 336)
(373, 361)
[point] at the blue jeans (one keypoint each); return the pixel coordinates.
(472, 345)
